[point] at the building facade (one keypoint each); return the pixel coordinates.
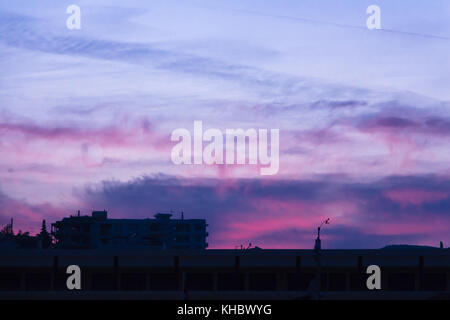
(98, 231)
(224, 274)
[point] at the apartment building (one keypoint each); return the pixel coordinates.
(99, 231)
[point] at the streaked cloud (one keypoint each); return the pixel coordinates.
(363, 116)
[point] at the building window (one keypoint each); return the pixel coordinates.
(9, 282)
(105, 229)
(132, 282)
(37, 281)
(336, 282)
(117, 228)
(299, 281)
(199, 282)
(401, 281)
(75, 228)
(60, 281)
(163, 282)
(230, 282)
(153, 241)
(154, 227)
(262, 282)
(181, 239)
(182, 227)
(358, 281)
(132, 228)
(102, 282)
(434, 282)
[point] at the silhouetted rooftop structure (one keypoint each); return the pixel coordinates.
(98, 231)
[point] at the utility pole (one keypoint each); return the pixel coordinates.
(317, 250)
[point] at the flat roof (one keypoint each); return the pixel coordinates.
(221, 252)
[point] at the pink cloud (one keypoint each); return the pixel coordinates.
(273, 215)
(414, 197)
(27, 217)
(136, 134)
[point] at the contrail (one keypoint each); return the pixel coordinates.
(334, 24)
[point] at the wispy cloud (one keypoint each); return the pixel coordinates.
(363, 120)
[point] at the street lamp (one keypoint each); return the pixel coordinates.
(317, 249)
(317, 246)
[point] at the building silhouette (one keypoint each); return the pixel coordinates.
(99, 232)
(153, 258)
(407, 272)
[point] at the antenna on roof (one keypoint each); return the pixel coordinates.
(182, 215)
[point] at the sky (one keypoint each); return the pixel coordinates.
(86, 116)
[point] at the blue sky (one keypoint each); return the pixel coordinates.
(84, 109)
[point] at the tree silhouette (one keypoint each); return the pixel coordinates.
(24, 240)
(7, 230)
(44, 236)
